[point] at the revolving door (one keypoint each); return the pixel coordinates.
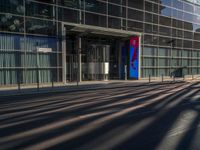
(95, 65)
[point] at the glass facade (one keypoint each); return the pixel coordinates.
(170, 34)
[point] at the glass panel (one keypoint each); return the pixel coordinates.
(114, 23)
(12, 6)
(33, 42)
(135, 26)
(166, 2)
(166, 11)
(149, 62)
(149, 51)
(68, 15)
(69, 3)
(135, 14)
(114, 10)
(8, 76)
(11, 42)
(93, 19)
(36, 26)
(136, 3)
(11, 23)
(98, 7)
(39, 10)
(163, 62)
(163, 52)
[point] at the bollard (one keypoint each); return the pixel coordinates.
(38, 86)
(19, 88)
(52, 84)
(18, 79)
(173, 78)
(149, 78)
(162, 78)
(125, 72)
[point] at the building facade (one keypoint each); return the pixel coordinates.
(68, 40)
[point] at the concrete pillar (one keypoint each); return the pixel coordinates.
(63, 54)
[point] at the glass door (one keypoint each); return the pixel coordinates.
(97, 62)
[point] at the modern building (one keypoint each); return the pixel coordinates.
(69, 40)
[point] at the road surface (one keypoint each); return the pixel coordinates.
(121, 116)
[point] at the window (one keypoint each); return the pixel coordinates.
(93, 19)
(36, 26)
(68, 15)
(39, 10)
(134, 14)
(12, 6)
(11, 23)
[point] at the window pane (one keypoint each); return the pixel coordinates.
(12, 6)
(11, 23)
(36, 26)
(39, 10)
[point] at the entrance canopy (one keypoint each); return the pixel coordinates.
(87, 29)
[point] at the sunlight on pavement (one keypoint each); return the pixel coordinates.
(182, 124)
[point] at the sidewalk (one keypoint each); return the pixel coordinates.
(85, 85)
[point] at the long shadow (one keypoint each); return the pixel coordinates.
(189, 137)
(55, 115)
(136, 140)
(12, 98)
(104, 129)
(91, 99)
(161, 125)
(51, 118)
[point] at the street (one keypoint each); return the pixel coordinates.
(120, 116)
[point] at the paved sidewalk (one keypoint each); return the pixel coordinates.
(85, 85)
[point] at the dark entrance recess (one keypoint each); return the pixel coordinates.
(99, 57)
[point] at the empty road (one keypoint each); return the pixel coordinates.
(118, 116)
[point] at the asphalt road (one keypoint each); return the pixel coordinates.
(120, 116)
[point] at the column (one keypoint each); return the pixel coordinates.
(63, 54)
(79, 60)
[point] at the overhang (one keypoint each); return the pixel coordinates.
(86, 29)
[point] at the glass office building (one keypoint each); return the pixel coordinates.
(65, 40)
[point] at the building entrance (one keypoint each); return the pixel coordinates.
(96, 65)
(92, 55)
(99, 58)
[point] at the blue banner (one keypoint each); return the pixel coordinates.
(134, 58)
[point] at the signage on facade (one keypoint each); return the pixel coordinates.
(44, 50)
(134, 58)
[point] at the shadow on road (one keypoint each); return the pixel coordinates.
(149, 117)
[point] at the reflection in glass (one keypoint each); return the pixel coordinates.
(9, 22)
(36, 26)
(12, 6)
(39, 10)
